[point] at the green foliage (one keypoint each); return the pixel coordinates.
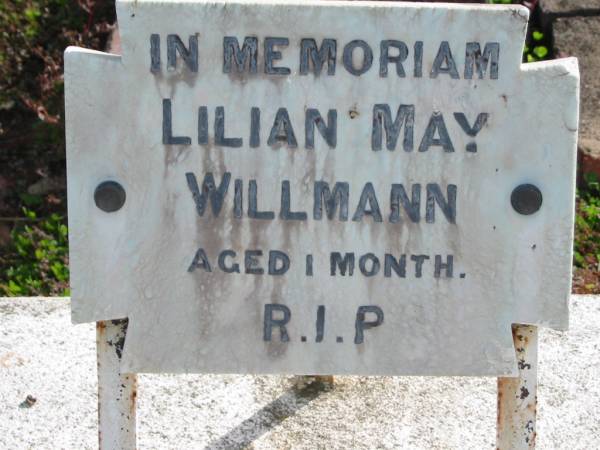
(587, 225)
(537, 36)
(36, 261)
(33, 36)
(540, 51)
(30, 200)
(537, 47)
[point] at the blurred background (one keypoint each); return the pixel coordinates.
(33, 209)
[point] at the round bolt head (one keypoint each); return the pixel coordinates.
(109, 196)
(526, 199)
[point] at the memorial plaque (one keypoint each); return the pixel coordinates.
(320, 187)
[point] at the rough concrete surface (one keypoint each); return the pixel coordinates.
(578, 36)
(559, 7)
(43, 355)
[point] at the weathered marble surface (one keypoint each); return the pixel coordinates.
(133, 263)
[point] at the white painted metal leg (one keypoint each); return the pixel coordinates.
(517, 397)
(116, 392)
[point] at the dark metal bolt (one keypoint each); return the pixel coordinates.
(526, 199)
(109, 196)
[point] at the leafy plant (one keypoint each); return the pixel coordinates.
(537, 47)
(587, 225)
(36, 260)
(33, 37)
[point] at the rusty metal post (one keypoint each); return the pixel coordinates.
(517, 397)
(116, 391)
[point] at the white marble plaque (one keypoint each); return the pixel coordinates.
(321, 187)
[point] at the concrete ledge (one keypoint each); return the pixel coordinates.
(43, 355)
(578, 37)
(569, 8)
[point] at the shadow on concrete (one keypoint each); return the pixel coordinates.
(267, 418)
